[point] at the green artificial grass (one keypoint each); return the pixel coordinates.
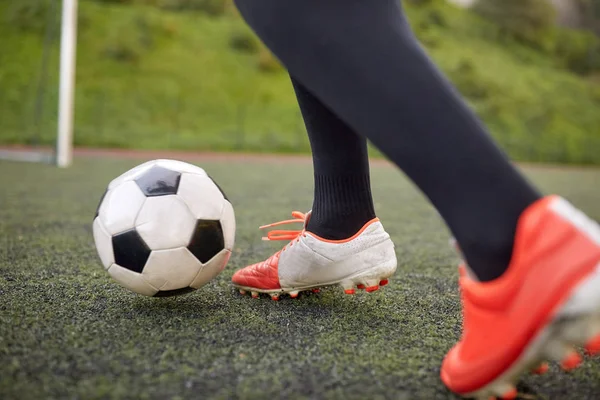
(68, 331)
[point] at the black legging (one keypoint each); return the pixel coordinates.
(360, 58)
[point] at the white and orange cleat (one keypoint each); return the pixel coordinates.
(364, 261)
(542, 308)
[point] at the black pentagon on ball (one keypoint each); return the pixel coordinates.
(207, 240)
(175, 292)
(130, 250)
(159, 181)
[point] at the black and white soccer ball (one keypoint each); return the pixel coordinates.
(164, 228)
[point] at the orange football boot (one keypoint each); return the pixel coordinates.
(541, 308)
(364, 261)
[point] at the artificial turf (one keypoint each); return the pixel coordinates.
(68, 331)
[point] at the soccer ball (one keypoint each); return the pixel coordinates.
(164, 228)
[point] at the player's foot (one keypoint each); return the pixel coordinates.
(308, 262)
(545, 304)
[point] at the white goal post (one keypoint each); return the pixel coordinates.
(68, 48)
(62, 154)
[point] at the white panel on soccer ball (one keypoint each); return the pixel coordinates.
(201, 195)
(131, 280)
(103, 242)
(211, 269)
(120, 207)
(171, 269)
(165, 223)
(228, 225)
(180, 166)
(131, 174)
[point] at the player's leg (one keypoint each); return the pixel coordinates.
(342, 194)
(361, 60)
(343, 242)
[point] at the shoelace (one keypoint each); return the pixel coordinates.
(291, 235)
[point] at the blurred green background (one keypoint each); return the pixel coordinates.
(188, 74)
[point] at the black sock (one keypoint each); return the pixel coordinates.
(361, 60)
(342, 202)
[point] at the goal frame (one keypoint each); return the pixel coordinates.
(66, 96)
(62, 156)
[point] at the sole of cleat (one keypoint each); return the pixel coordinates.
(275, 294)
(370, 281)
(294, 293)
(592, 347)
(571, 362)
(575, 323)
(510, 395)
(541, 369)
